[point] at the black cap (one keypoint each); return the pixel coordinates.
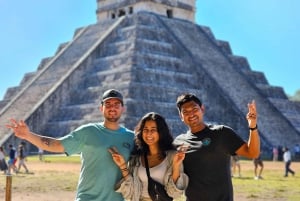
(112, 93)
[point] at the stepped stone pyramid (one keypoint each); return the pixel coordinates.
(152, 51)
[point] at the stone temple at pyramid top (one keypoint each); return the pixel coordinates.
(110, 9)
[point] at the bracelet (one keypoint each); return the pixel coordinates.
(126, 175)
(122, 165)
(124, 169)
(252, 129)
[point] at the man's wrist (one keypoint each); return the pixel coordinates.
(254, 128)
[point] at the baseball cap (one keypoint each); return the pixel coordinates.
(112, 93)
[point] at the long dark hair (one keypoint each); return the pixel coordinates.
(165, 136)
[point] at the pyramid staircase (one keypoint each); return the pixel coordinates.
(151, 59)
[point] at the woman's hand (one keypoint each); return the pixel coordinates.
(177, 161)
(120, 161)
(118, 158)
(178, 158)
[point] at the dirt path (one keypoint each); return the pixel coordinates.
(45, 182)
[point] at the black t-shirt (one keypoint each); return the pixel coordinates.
(207, 163)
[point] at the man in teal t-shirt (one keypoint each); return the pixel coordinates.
(98, 173)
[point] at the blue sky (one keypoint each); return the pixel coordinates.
(266, 32)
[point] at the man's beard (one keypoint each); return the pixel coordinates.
(113, 119)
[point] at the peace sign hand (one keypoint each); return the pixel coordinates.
(252, 115)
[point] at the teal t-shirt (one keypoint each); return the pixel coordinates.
(99, 173)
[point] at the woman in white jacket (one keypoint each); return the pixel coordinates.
(153, 138)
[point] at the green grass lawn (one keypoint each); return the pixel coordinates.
(57, 158)
(273, 186)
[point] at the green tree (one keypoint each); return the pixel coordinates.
(296, 96)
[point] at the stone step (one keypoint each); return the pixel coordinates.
(240, 63)
(162, 77)
(289, 109)
(146, 32)
(225, 46)
(115, 48)
(141, 59)
(155, 47)
(159, 61)
(271, 91)
(256, 77)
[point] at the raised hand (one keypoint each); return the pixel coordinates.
(20, 128)
(178, 158)
(252, 115)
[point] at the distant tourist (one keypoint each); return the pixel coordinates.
(297, 151)
(258, 168)
(12, 159)
(275, 154)
(22, 158)
(287, 158)
(41, 154)
(3, 164)
(235, 164)
(280, 153)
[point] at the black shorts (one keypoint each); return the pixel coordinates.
(258, 162)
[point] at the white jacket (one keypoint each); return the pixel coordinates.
(131, 187)
(287, 156)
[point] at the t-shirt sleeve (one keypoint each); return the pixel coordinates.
(233, 140)
(73, 142)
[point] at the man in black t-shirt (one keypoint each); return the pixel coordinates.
(207, 162)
